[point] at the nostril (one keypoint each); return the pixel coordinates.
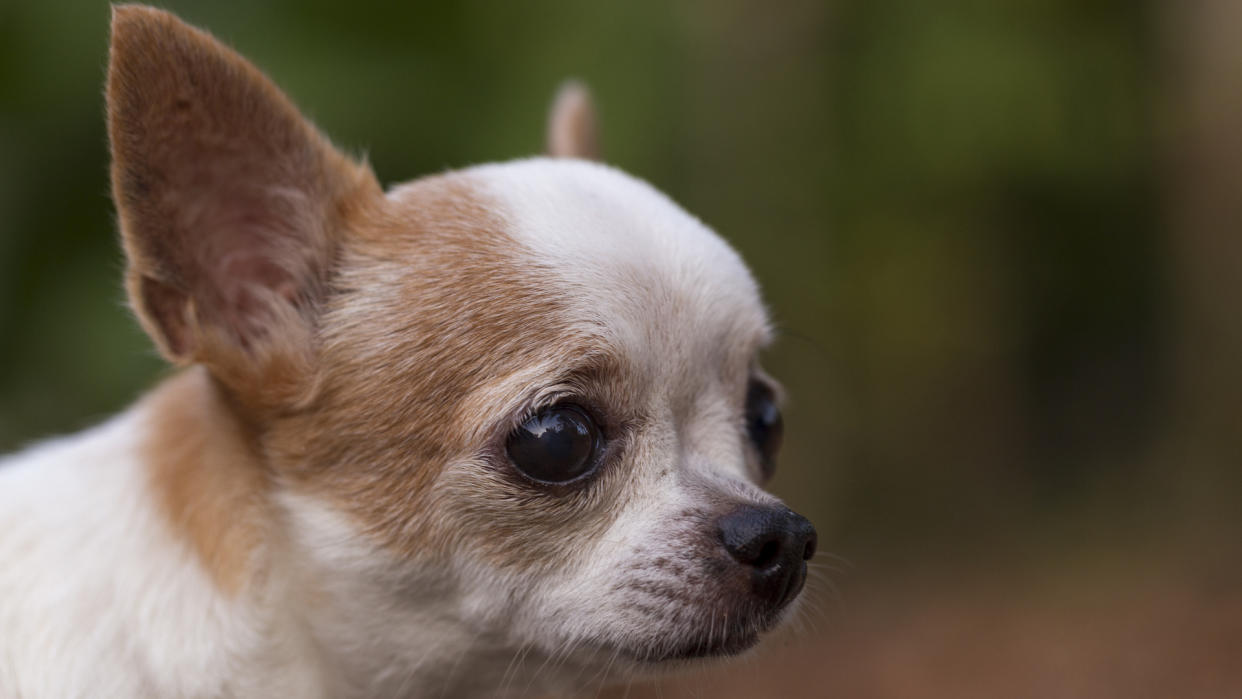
(768, 554)
(808, 552)
(754, 536)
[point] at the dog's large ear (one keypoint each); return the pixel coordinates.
(230, 202)
(572, 128)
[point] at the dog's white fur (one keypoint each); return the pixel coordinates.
(100, 598)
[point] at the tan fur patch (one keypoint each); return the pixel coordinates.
(207, 475)
(438, 324)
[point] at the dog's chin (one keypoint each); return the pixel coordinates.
(697, 649)
(678, 648)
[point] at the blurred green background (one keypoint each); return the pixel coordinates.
(1002, 241)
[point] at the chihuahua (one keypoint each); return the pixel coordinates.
(493, 432)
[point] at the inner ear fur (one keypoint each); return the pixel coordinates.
(231, 204)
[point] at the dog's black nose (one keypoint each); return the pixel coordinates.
(776, 543)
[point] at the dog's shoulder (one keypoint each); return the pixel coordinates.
(99, 571)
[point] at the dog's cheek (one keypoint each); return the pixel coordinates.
(580, 603)
(519, 527)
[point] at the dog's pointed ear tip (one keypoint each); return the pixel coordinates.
(135, 25)
(129, 16)
(573, 89)
(134, 28)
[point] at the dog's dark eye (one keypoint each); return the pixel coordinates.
(763, 422)
(555, 445)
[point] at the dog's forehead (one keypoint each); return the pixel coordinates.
(624, 255)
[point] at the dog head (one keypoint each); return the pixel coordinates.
(519, 403)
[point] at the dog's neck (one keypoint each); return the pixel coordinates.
(421, 645)
(305, 571)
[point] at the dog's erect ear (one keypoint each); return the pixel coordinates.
(572, 129)
(230, 202)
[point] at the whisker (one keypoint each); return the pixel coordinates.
(836, 557)
(515, 661)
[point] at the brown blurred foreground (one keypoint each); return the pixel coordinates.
(1132, 633)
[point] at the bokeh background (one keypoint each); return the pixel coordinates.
(1003, 243)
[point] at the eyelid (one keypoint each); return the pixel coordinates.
(541, 400)
(758, 375)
